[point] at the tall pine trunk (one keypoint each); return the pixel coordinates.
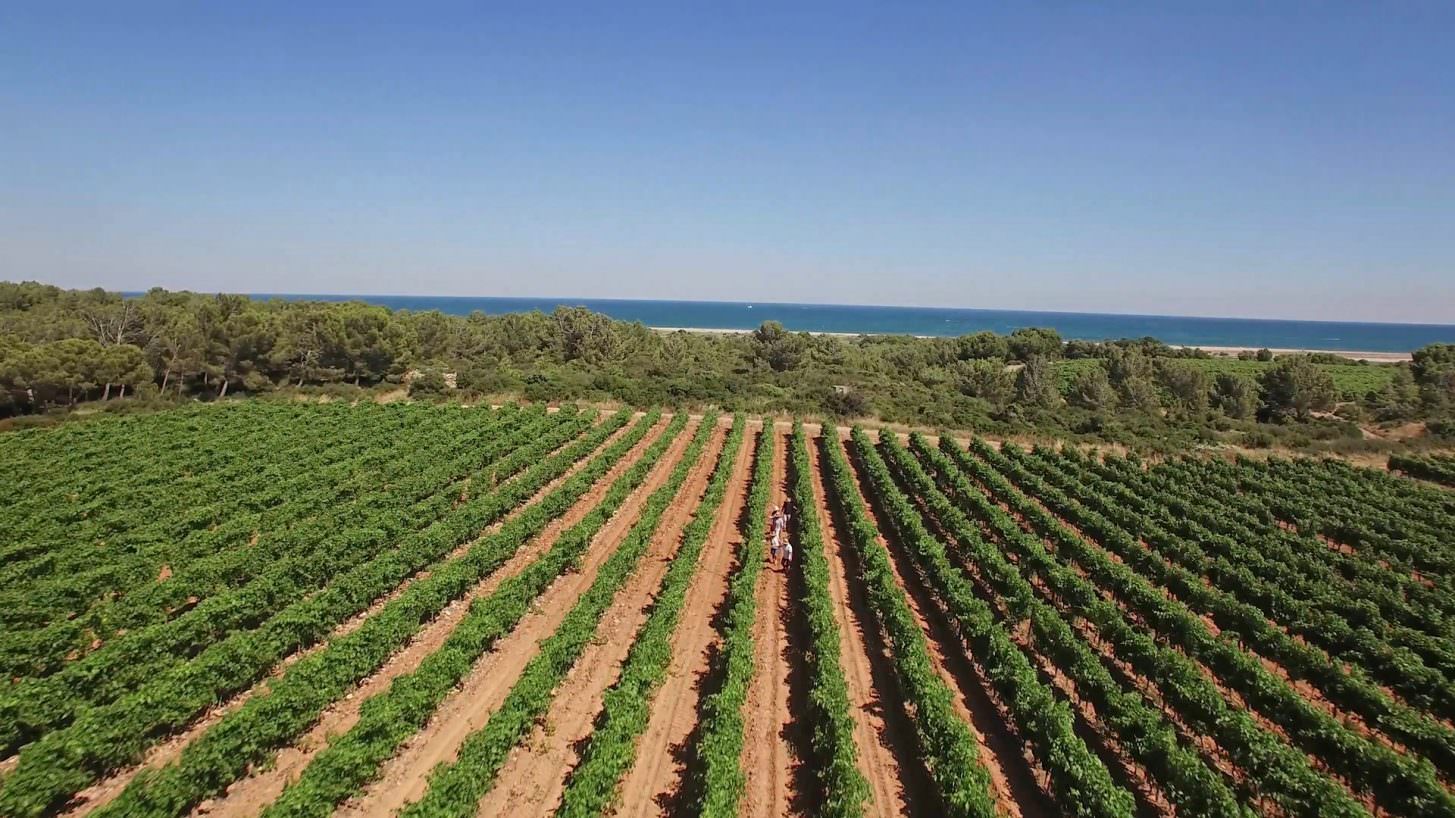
(166, 376)
(222, 393)
(106, 393)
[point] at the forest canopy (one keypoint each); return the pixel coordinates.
(60, 347)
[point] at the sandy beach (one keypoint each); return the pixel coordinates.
(1372, 357)
(723, 331)
(1224, 352)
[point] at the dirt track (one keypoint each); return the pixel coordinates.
(106, 790)
(404, 778)
(250, 795)
(657, 776)
(1013, 781)
(882, 731)
(768, 754)
(531, 782)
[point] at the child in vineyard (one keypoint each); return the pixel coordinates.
(787, 554)
(776, 527)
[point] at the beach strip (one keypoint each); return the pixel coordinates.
(1216, 351)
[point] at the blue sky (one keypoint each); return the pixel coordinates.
(1262, 159)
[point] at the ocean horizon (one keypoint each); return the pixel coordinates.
(1333, 336)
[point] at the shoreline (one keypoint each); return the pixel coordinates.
(1371, 341)
(1353, 355)
(1215, 351)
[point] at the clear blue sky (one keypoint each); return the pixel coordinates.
(1262, 159)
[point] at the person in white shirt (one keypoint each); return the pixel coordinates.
(776, 527)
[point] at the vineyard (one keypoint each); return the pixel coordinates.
(1436, 468)
(1350, 379)
(262, 608)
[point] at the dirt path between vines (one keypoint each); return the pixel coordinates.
(1013, 781)
(250, 795)
(1230, 693)
(1304, 686)
(1126, 769)
(404, 778)
(661, 763)
(534, 777)
(768, 756)
(887, 758)
(106, 790)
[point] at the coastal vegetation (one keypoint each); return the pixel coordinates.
(60, 348)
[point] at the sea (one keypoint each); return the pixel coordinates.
(948, 321)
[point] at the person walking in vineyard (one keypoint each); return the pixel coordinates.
(787, 554)
(776, 526)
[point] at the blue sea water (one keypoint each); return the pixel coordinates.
(936, 321)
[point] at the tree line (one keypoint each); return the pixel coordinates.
(59, 347)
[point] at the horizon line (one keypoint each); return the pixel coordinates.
(568, 300)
